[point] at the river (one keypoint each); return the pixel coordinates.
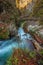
(6, 46)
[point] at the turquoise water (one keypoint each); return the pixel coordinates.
(6, 47)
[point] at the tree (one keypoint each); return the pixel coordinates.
(9, 14)
(38, 10)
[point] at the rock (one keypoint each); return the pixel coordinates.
(37, 32)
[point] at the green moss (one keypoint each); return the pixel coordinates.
(41, 52)
(32, 54)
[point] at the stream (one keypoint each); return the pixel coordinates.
(7, 46)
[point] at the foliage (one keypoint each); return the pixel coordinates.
(10, 12)
(25, 57)
(21, 4)
(41, 52)
(41, 22)
(38, 11)
(9, 15)
(32, 54)
(4, 32)
(20, 56)
(40, 62)
(9, 61)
